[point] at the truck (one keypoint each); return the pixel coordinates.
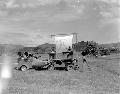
(25, 64)
(67, 61)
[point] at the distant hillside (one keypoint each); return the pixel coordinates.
(2, 48)
(110, 45)
(46, 45)
(45, 48)
(9, 48)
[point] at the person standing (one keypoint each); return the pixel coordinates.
(85, 64)
(20, 56)
(52, 54)
(70, 52)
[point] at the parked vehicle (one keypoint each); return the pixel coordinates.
(30, 62)
(26, 64)
(63, 47)
(23, 65)
(67, 64)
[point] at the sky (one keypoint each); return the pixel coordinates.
(31, 22)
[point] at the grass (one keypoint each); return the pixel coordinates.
(109, 63)
(101, 80)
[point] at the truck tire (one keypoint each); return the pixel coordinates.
(69, 68)
(23, 68)
(51, 67)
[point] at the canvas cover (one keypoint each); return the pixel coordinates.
(63, 42)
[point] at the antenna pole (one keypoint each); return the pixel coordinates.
(76, 41)
(76, 37)
(51, 38)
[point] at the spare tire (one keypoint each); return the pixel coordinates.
(69, 67)
(23, 68)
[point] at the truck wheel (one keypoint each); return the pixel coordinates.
(23, 68)
(69, 68)
(77, 67)
(51, 68)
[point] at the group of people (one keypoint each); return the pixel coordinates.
(52, 54)
(69, 52)
(26, 56)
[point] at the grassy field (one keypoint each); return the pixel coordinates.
(102, 79)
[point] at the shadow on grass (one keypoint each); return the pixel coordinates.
(47, 69)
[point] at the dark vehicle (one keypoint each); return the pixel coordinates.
(23, 64)
(36, 63)
(26, 64)
(67, 64)
(104, 52)
(30, 62)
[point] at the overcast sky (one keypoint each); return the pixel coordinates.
(31, 22)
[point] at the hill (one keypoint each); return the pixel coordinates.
(45, 48)
(111, 45)
(9, 48)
